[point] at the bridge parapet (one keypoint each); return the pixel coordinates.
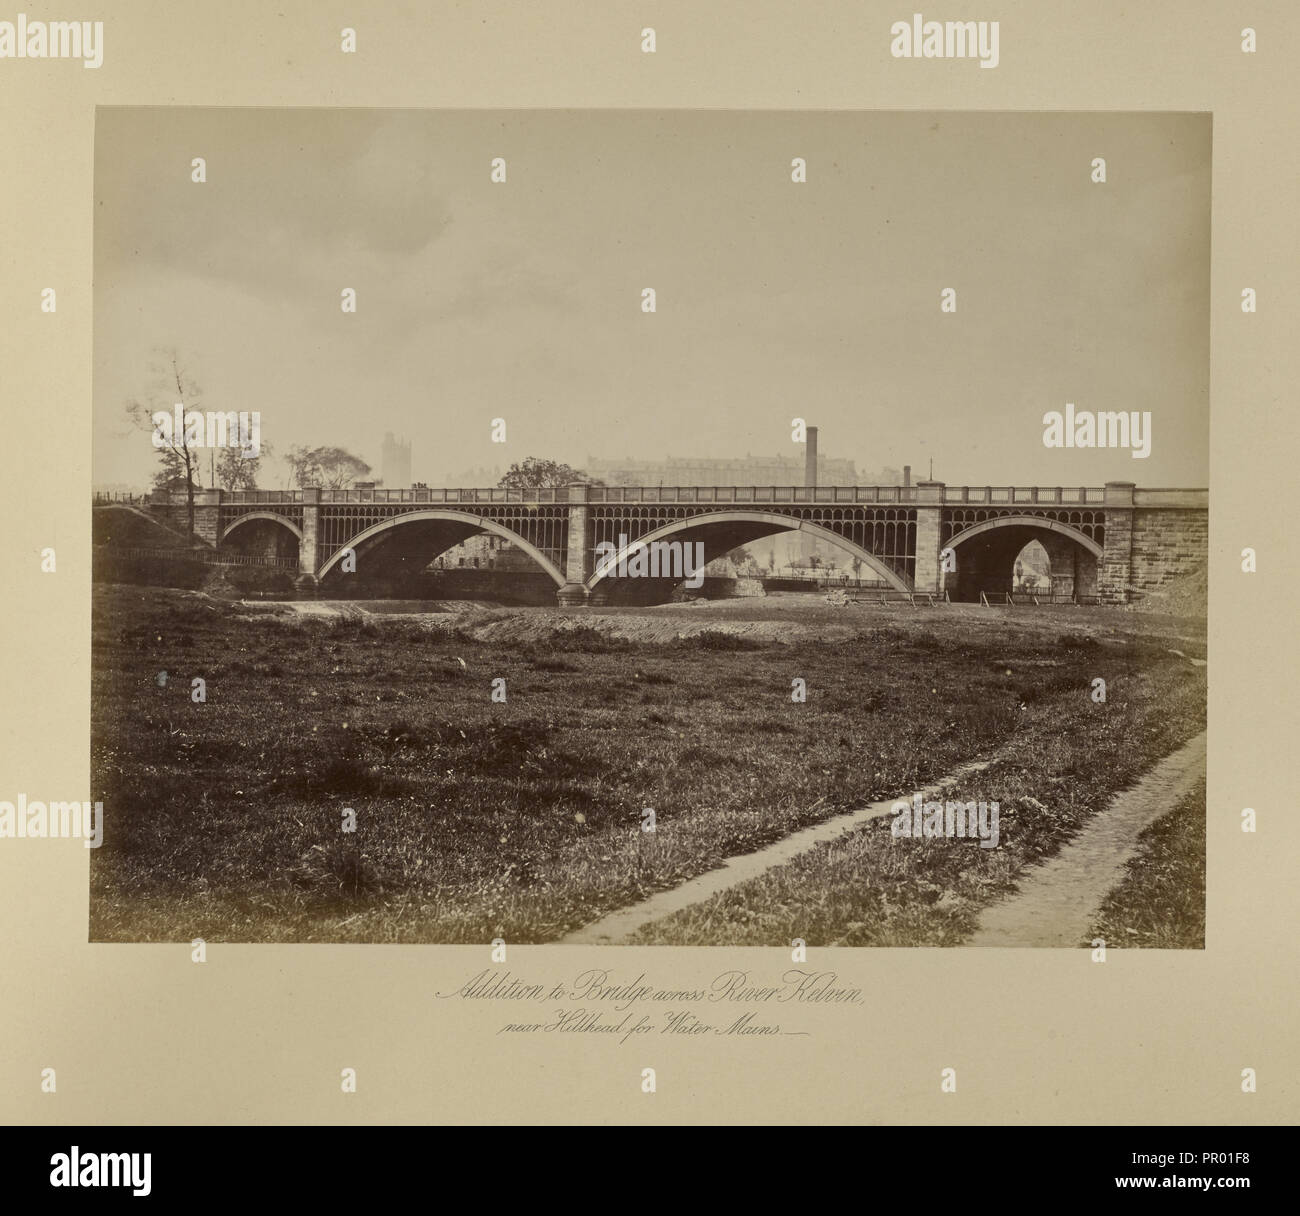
(260, 497)
(1195, 500)
(1017, 495)
(744, 495)
(731, 495)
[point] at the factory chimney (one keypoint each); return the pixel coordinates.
(807, 544)
(907, 474)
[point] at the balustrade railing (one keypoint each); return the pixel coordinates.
(933, 494)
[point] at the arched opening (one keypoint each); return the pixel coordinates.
(709, 537)
(263, 535)
(1031, 573)
(392, 556)
(987, 554)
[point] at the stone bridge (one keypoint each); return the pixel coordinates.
(1110, 542)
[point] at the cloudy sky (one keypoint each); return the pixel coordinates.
(523, 301)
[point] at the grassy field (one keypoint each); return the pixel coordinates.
(477, 819)
(1160, 904)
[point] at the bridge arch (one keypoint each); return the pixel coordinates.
(462, 525)
(252, 515)
(741, 528)
(986, 552)
(264, 534)
(1028, 521)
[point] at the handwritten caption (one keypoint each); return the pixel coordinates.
(595, 1003)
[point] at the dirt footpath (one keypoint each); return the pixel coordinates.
(1056, 902)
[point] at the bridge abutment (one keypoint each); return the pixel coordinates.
(207, 516)
(1167, 544)
(174, 511)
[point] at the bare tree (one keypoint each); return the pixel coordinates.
(168, 408)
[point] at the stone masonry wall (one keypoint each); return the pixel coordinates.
(206, 520)
(1166, 544)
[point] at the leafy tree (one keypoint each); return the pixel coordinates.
(302, 467)
(170, 474)
(237, 472)
(535, 473)
(744, 562)
(330, 467)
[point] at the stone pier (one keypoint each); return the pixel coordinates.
(574, 592)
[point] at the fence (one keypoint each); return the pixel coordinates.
(209, 557)
(1035, 599)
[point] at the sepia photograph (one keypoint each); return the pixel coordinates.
(650, 527)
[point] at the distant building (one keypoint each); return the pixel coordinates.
(395, 462)
(737, 471)
(481, 478)
(485, 552)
